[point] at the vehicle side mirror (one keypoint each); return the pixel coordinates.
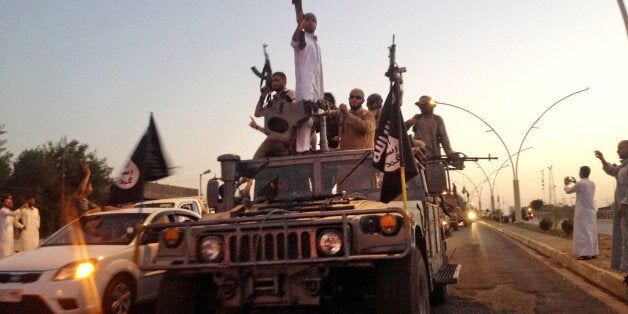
(212, 194)
(436, 178)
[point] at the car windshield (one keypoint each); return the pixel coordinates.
(111, 229)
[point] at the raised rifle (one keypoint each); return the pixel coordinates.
(394, 71)
(298, 8)
(266, 74)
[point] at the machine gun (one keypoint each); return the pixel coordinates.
(266, 74)
(298, 8)
(456, 160)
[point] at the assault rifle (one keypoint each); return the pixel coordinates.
(298, 8)
(266, 74)
(394, 71)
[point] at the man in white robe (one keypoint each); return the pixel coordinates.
(619, 247)
(309, 73)
(6, 226)
(585, 244)
(29, 215)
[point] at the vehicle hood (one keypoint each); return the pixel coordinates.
(54, 257)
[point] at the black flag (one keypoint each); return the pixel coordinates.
(147, 164)
(391, 144)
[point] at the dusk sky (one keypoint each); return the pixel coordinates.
(94, 71)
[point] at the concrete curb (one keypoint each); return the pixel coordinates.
(608, 280)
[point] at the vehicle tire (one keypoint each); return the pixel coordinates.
(119, 296)
(439, 295)
(186, 294)
(402, 285)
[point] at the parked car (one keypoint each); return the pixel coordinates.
(196, 204)
(87, 266)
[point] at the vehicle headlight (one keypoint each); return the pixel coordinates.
(210, 249)
(76, 270)
(444, 222)
(471, 215)
(329, 242)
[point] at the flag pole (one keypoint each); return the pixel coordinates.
(400, 122)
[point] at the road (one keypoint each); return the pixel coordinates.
(500, 275)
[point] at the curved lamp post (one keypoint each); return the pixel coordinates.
(200, 185)
(515, 181)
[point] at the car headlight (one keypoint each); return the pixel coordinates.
(444, 222)
(329, 242)
(471, 215)
(76, 270)
(210, 249)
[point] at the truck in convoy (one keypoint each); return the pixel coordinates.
(313, 234)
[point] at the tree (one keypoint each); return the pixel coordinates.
(5, 159)
(54, 169)
(536, 204)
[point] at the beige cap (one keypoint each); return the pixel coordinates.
(426, 100)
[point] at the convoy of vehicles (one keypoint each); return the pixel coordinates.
(88, 266)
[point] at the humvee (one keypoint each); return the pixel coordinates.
(312, 235)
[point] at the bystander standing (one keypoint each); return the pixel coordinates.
(619, 246)
(7, 214)
(585, 244)
(28, 214)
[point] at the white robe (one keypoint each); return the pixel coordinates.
(309, 83)
(585, 224)
(6, 231)
(30, 227)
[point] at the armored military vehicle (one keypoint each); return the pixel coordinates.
(312, 234)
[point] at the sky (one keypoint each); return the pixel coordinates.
(94, 71)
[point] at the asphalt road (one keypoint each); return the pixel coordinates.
(501, 276)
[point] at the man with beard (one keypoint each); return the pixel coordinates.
(430, 129)
(272, 147)
(30, 222)
(619, 246)
(358, 126)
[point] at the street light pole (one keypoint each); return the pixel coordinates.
(200, 184)
(515, 181)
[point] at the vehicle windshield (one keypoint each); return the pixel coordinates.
(354, 175)
(110, 229)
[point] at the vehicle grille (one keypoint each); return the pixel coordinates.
(20, 277)
(29, 304)
(272, 246)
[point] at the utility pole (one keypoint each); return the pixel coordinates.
(551, 187)
(542, 185)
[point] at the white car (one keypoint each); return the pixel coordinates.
(196, 204)
(87, 266)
